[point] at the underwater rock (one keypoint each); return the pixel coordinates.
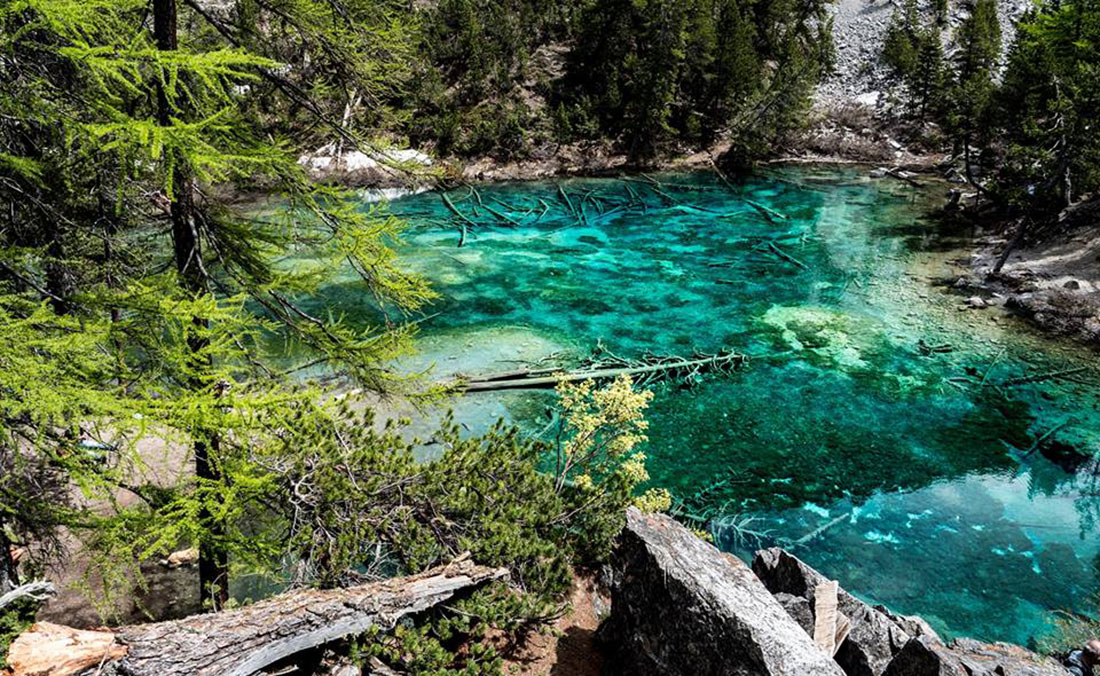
(874, 639)
(680, 606)
(966, 657)
(1070, 449)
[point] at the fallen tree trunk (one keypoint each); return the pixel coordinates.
(722, 362)
(770, 215)
(895, 172)
(241, 642)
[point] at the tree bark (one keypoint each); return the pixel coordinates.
(59, 279)
(187, 249)
(1017, 238)
(241, 642)
(9, 575)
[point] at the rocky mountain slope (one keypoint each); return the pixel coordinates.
(859, 28)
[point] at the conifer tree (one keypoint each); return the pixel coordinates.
(978, 47)
(654, 73)
(179, 109)
(928, 80)
(900, 46)
(1047, 106)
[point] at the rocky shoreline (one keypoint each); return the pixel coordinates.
(680, 606)
(1055, 285)
(848, 134)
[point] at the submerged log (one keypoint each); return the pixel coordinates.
(463, 219)
(786, 256)
(241, 642)
(896, 172)
(722, 362)
(770, 215)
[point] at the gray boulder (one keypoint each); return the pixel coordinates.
(1004, 659)
(967, 657)
(922, 656)
(874, 639)
(800, 609)
(680, 606)
(911, 624)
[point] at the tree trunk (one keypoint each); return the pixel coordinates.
(242, 642)
(1017, 238)
(187, 247)
(9, 576)
(59, 279)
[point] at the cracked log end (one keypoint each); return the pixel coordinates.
(48, 649)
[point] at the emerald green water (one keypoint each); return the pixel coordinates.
(915, 460)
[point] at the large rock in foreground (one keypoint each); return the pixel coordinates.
(680, 606)
(875, 637)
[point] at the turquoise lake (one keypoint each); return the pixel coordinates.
(888, 436)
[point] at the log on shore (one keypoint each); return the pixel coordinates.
(48, 649)
(241, 642)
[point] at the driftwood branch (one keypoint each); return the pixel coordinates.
(35, 592)
(241, 642)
